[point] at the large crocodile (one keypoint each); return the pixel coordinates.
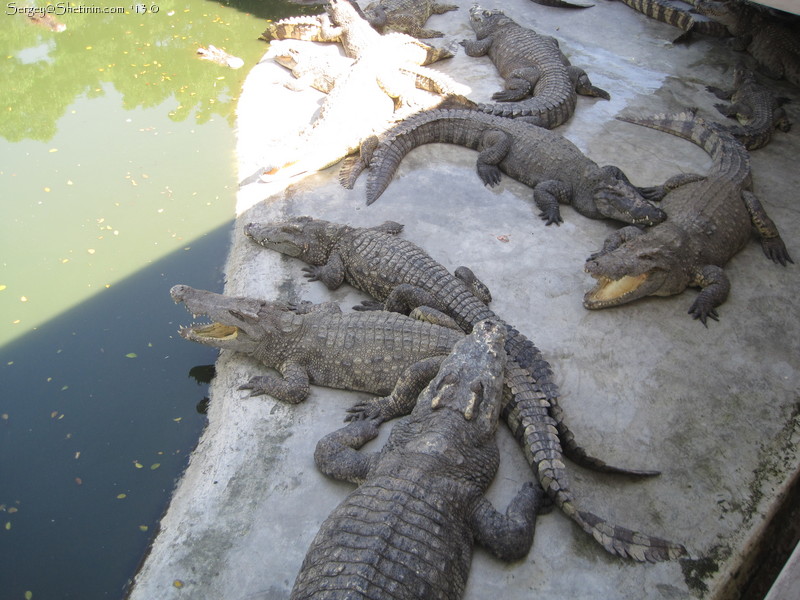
(402, 276)
(310, 64)
(387, 75)
(757, 108)
(406, 16)
(379, 352)
(710, 219)
(676, 15)
(407, 531)
(553, 166)
(772, 43)
(540, 84)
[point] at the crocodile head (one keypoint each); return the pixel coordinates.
(738, 19)
(637, 268)
(484, 21)
(470, 380)
(619, 200)
(310, 240)
(237, 323)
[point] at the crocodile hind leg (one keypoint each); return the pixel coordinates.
(509, 536)
(494, 147)
(584, 86)
(337, 454)
(771, 242)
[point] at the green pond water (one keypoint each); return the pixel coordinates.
(117, 181)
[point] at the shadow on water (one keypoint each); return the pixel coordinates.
(99, 415)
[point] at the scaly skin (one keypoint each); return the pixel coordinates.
(408, 530)
(756, 108)
(540, 84)
(311, 67)
(379, 352)
(553, 166)
(406, 16)
(386, 75)
(671, 14)
(403, 277)
(775, 46)
(710, 219)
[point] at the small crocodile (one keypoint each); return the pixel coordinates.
(710, 219)
(379, 352)
(674, 14)
(540, 84)
(756, 107)
(402, 277)
(406, 16)
(219, 56)
(772, 43)
(553, 166)
(407, 531)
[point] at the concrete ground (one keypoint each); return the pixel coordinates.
(716, 409)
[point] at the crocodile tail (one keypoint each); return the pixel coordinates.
(627, 543)
(579, 456)
(730, 157)
(437, 125)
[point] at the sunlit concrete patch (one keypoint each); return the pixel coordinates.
(643, 385)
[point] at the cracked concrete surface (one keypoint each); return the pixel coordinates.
(717, 410)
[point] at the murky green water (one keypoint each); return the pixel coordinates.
(116, 181)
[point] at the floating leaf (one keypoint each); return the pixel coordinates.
(8, 525)
(53, 414)
(137, 464)
(154, 466)
(2, 287)
(177, 583)
(53, 150)
(143, 528)
(77, 455)
(131, 355)
(178, 419)
(28, 595)
(121, 496)
(79, 481)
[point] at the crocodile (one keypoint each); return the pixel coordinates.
(219, 56)
(310, 64)
(757, 108)
(384, 83)
(553, 166)
(772, 43)
(401, 277)
(406, 16)
(387, 354)
(408, 530)
(541, 85)
(710, 219)
(674, 14)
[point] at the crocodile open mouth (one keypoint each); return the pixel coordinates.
(216, 331)
(610, 291)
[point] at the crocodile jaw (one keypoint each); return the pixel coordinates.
(613, 292)
(212, 333)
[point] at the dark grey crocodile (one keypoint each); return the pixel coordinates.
(402, 276)
(757, 108)
(406, 16)
(771, 42)
(540, 84)
(553, 166)
(711, 218)
(407, 531)
(677, 15)
(379, 352)
(386, 75)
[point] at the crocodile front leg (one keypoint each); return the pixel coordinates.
(519, 84)
(509, 536)
(771, 242)
(547, 195)
(403, 397)
(337, 455)
(292, 387)
(331, 273)
(715, 286)
(477, 48)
